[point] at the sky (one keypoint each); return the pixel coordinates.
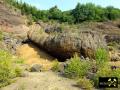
(70, 4)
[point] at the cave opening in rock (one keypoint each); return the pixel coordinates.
(118, 25)
(54, 55)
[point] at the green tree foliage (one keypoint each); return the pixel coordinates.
(82, 12)
(55, 13)
(112, 13)
(85, 12)
(67, 17)
(100, 14)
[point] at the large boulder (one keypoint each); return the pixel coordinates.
(65, 44)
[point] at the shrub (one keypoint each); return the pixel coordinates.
(18, 71)
(101, 57)
(85, 84)
(18, 60)
(55, 66)
(77, 68)
(106, 71)
(8, 69)
(1, 36)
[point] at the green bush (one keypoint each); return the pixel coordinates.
(55, 65)
(18, 71)
(18, 60)
(101, 57)
(85, 84)
(1, 36)
(8, 69)
(77, 68)
(106, 71)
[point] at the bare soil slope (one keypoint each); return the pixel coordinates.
(33, 55)
(11, 20)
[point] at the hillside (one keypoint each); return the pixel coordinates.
(49, 54)
(14, 29)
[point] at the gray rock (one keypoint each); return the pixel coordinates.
(36, 68)
(65, 45)
(82, 58)
(115, 58)
(90, 75)
(111, 38)
(87, 58)
(11, 43)
(53, 30)
(62, 67)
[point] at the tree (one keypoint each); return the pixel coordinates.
(84, 12)
(100, 14)
(90, 11)
(67, 17)
(77, 13)
(112, 13)
(55, 13)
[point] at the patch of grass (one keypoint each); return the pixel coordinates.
(77, 68)
(18, 60)
(55, 66)
(18, 71)
(101, 57)
(105, 71)
(1, 35)
(8, 69)
(85, 83)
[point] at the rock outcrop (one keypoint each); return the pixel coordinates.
(112, 38)
(64, 45)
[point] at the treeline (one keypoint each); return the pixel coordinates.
(82, 12)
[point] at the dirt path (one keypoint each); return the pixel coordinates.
(42, 81)
(47, 80)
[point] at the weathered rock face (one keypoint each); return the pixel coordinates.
(11, 42)
(64, 45)
(113, 38)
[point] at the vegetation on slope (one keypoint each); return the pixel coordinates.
(87, 72)
(8, 68)
(82, 12)
(1, 36)
(77, 68)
